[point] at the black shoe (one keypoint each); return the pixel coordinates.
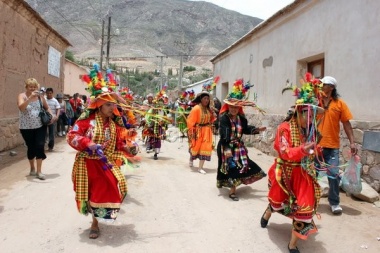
(293, 250)
(233, 197)
(264, 222)
(155, 157)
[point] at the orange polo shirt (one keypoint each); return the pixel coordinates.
(329, 126)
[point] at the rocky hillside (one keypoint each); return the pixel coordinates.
(146, 28)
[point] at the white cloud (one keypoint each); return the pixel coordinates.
(256, 8)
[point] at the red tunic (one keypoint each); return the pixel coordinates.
(293, 189)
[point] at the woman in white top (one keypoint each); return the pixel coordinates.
(31, 127)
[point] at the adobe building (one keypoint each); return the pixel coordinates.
(29, 48)
(339, 38)
(73, 79)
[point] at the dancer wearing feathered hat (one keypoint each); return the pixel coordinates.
(293, 187)
(157, 123)
(199, 124)
(182, 113)
(97, 135)
(234, 165)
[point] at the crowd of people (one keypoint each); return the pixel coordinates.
(103, 130)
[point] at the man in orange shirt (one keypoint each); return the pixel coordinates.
(336, 111)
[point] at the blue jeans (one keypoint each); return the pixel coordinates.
(331, 157)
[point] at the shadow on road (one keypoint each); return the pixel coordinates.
(111, 235)
(280, 235)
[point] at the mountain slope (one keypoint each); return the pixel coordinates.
(147, 28)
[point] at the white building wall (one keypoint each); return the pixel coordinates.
(345, 32)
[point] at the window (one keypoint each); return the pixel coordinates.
(317, 68)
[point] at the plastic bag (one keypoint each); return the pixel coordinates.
(351, 181)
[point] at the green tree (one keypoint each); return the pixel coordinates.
(69, 55)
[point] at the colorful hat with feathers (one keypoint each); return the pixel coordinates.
(100, 88)
(207, 89)
(191, 94)
(126, 94)
(309, 94)
(184, 95)
(239, 94)
(160, 96)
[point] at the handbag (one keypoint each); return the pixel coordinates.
(44, 115)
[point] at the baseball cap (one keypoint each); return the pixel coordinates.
(329, 80)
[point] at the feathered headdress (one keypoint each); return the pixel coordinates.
(207, 89)
(239, 96)
(97, 85)
(126, 94)
(210, 85)
(183, 95)
(191, 95)
(160, 96)
(310, 92)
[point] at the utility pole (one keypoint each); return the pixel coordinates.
(161, 70)
(183, 46)
(101, 46)
(180, 73)
(108, 42)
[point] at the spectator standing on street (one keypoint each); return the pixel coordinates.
(336, 111)
(55, 110)
(31, 127)
(76, 104)
(62, 119)
(217, 107)
(293, 186)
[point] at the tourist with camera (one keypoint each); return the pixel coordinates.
(31, 127)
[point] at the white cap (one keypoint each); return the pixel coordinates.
(329, 80)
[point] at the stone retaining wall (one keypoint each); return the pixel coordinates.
(10, 136)
(370, 160)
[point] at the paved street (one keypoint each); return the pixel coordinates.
(169, 208)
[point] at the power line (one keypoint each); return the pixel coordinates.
(67, 21)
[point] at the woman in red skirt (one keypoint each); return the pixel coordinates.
(293, 187)
(97, 135)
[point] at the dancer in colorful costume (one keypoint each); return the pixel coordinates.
(157, 123)
(99, 185)
(199, 124)
(182, 112)
(234, 165)
(293, 187)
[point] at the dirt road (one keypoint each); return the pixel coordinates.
(169, 208)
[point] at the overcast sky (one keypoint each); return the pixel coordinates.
(256, 8)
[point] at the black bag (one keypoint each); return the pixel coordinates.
(44, 115)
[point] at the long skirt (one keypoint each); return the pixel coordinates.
(234, 177)
(103, 191)
(294, 194)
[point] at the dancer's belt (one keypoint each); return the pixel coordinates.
(280, 161)
(202, 125)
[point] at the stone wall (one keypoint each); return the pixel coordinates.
(370, 159)
(10, 134)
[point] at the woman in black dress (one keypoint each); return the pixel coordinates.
(234, 165)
